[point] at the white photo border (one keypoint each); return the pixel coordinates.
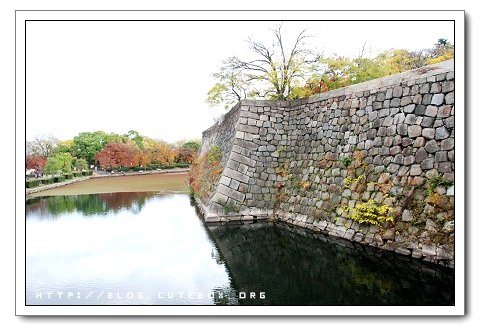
(21, 19)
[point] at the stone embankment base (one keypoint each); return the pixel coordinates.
(441, 255)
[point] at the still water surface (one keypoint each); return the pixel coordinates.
(147, 249)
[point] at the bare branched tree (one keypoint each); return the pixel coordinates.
(42, 145)
(272, 73)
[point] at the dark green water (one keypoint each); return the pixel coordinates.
(143, 248)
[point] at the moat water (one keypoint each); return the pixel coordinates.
(143, 248)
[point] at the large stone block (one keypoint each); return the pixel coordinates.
(395, 102)
(440, 156)
(234, 184)
(450, 98)
(409, 108)
(237, 196)
(429, 250)
(420, 110)
(441, 133)
(415, 170)
(428, 133)
(225, 180)
(427, 121)
(397, 91)
(414, 131)
(219, 198)
(431, 146)
(409, 160)
(444, 111)
(235, 175)
(448, 86)
(420, 155)
(242, 159)
(436, 88)
(437, 99)
(419, 142)
(411, 119)
(398, 118)
(388, 121)
(425, 88)
(247, 129)
(445, 167)
(427, 99)
(405, 101)
(427, 164)
(447, 144)
(240, 134)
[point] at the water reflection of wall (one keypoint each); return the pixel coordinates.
(294, 267)
(92, 204)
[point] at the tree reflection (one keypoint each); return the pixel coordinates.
(295, 267)
(93, 204)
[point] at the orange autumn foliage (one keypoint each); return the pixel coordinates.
(118, 154)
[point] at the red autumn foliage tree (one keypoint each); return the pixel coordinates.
(35, 162)
(118, 154)
(185, 155)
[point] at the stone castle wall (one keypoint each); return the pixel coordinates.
(310, 162)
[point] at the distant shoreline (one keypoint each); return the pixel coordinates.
(29, 191)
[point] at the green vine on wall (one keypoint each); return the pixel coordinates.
(435, 182)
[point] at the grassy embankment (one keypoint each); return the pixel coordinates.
(162, 183)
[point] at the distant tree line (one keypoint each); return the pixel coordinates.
(105, 150)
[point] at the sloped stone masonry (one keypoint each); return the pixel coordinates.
(310, 162)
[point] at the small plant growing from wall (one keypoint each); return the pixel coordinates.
(283, 170)
(370, 213)
(214, 154)
(347, 183)
(346, 161)
(357, 163)
(435, 182)
(305, 185)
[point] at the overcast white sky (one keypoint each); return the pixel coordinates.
(153, 77)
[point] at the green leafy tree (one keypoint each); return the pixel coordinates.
(232, 85)
(363, 69)
(64, 161)
(65, 146)
(336, 72)
(52, 166)
(187, 152)
(394, 61)
(135, 137)
(442, 51)
(87, 144)
(81, 164)
(193, 145)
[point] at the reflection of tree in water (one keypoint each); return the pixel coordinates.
(118, 201)
(296, 268)
(93, 204)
